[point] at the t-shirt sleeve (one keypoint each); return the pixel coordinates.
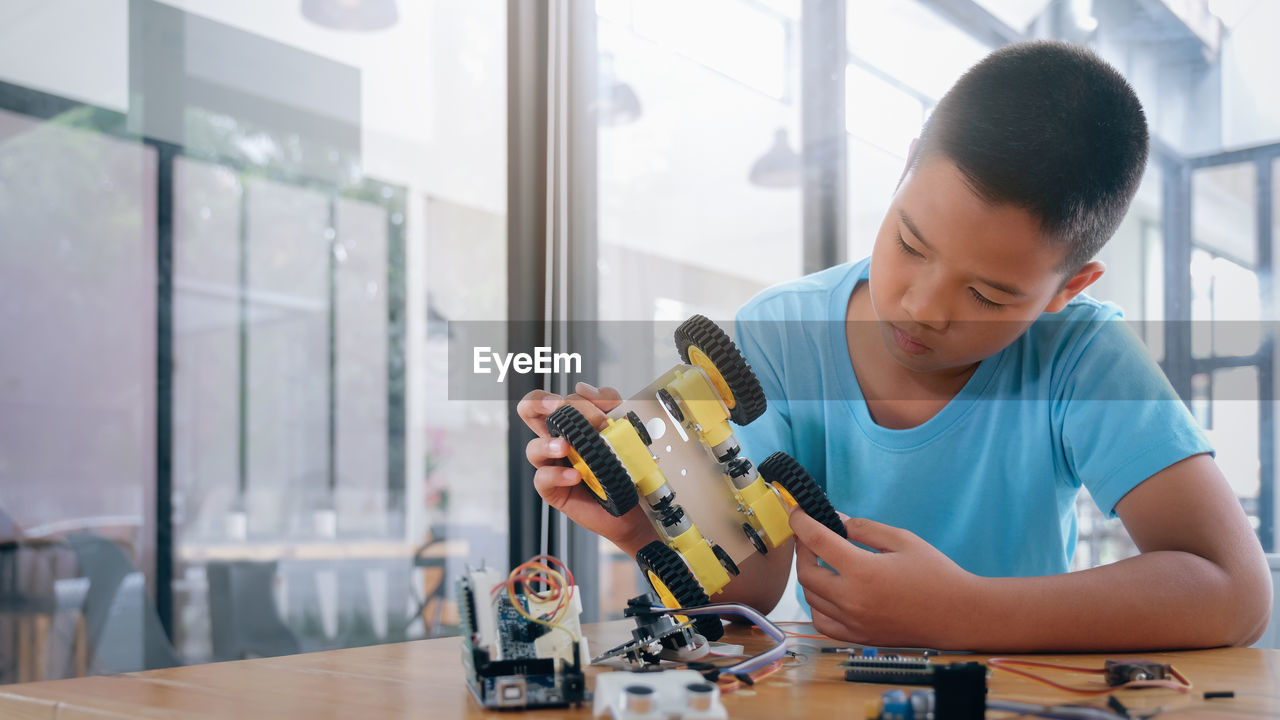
(1121, 421)
(758, 339)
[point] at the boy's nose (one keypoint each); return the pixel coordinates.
(925, 306)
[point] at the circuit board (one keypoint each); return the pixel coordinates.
(512, 663)
(892, 669)
(516, 635)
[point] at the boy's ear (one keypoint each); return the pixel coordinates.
(1076, 284)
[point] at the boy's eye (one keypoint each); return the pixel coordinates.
(904, 247)
(983, 301)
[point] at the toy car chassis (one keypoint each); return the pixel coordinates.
(674, 438)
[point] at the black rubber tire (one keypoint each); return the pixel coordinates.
(667, 564)
(725, 561)
(748, 397)
(756, 541)
(783, 470)
(620, 492)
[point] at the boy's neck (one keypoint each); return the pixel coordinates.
(897, 397)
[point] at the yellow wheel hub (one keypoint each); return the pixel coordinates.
(588, 477)
(665, 595)
(786, 496)
(699, 359)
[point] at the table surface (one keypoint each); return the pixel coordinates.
(424, 679)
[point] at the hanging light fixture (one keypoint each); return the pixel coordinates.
(779, 167)
(358, 15)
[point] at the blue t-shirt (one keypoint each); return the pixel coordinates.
(991, 480)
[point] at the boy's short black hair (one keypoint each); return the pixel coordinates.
(1050, 128)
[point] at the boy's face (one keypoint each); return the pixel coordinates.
(955, 280)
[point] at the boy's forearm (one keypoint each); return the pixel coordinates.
(762, 580)
(1157, 600)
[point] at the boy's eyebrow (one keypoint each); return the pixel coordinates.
(1006, 289)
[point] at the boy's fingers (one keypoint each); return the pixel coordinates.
(807, 558)
(878, 536)
(541, 451)
(593, 403)
(832, 627)
(550, 477)
(821, 541)
(815, 577)
(820, 604)
(589, 410)
(605, 398)
(820, 581)
(534, 408)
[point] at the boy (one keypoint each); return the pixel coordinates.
(956, 390)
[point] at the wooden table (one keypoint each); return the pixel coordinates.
(424, 679)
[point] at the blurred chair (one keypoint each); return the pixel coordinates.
(41, 631)
(243, 617)
(435, 594)
(124, 630)
(437, 606)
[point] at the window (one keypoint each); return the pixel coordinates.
(683, 228)
(302, 196)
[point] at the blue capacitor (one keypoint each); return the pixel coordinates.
(894, 705)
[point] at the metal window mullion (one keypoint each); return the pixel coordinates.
(824, 193)
(558, 105)
(1258, 154)
(1176, 225)
(1266, 368)
(396, 360)
(526, 249)
(165, 157)
(581, 331)
(331, 290)
(242, 353)
(974, 19)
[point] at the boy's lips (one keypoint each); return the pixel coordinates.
(908, 343)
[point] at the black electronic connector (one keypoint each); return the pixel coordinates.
(961, 690)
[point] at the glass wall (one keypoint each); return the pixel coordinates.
(78, 399)
(231, 239)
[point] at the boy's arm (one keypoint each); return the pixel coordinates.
(1201, 581)
(762, 581)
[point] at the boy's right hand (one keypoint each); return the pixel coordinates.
(561, 486)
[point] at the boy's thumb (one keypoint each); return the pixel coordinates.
(604, 398)
(810, 531)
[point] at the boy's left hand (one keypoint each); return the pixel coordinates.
(903, 594)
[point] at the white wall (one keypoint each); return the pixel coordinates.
(433, 105)
(74, 48)
(1250, 93)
